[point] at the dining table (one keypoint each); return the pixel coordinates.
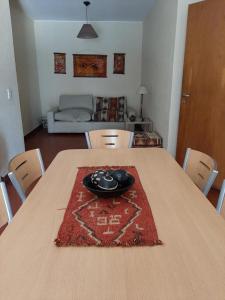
(190, 263)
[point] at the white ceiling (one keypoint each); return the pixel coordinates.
(99, 10)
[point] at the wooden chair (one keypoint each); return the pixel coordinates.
(109, 138)
(25, 169)
(201, 168)
(5, 207)
(221, 203)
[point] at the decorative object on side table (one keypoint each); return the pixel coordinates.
(87, 31)
(90, 65)
(131, 114)
(140, 125)
(60, 63)
(142, 91)
(119, 63)
(44, 122)
(147, 139)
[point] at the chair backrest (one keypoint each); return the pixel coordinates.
(5, 207)
(109, 138)
(25, 168)
(201, 168)
(221, 202)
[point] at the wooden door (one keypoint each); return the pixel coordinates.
(202, 111)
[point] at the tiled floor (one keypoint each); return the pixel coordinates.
(50, 145)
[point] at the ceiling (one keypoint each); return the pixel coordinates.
(100, 10)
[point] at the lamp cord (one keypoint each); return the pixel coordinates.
(86, 15)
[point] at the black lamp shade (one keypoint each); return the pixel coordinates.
(87, 32)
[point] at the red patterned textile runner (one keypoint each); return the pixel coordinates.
(123, 221)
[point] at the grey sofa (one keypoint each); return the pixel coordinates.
(78, 114)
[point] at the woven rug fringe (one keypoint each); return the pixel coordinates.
(59, 243)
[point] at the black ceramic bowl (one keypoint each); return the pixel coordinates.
(121, 189)
(104, 180)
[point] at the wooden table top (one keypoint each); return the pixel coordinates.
(190, 265)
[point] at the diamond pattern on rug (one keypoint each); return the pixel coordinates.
(123, 221)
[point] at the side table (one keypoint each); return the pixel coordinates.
(140, 125)
(147, 139)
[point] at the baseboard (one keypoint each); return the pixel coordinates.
(34, 131)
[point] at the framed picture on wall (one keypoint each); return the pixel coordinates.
(60, 63)
(89, 65)
(119, 63)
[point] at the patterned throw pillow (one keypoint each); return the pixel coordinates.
(110, 109)
(106, 115)
(98, 103)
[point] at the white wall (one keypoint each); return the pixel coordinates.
(11, 132)
(26, 65)
(60, 36)
(159, 31)
(164, 35)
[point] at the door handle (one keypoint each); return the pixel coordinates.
(186, 95)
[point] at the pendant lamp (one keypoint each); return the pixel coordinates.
(87, 31)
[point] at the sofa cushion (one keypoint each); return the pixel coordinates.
(73, 115)
(75, 101)
(66, 116)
